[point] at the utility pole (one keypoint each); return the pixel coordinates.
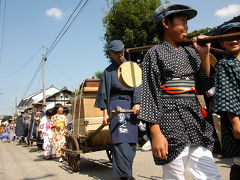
(16, 105)
(44, 59)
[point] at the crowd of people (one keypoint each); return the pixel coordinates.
(46, 129)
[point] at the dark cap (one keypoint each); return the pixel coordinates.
(116, 45)
(171, 8)
(227, 27)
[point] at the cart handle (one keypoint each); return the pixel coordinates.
(115, 112)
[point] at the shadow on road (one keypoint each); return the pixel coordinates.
(151, 177)
(42, 177)
(226, 162)
(97, 169)
(39, 158)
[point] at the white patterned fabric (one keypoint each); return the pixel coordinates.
(45, 128)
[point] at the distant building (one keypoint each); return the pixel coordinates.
(53, 96)
(63, 97)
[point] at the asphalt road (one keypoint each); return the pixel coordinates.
(19, 162)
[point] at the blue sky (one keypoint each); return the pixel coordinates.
(80, 53)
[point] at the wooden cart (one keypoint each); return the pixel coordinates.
(86, 136)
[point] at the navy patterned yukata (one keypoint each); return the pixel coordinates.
(124, 126)
(227, 99)
(180, 119)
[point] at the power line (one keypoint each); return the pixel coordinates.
(65, 25)
(57, 39)
(14, 72)
(32, 80)
(60, 35)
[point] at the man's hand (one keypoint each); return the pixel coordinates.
(203, 50)
(136, 109)
(160, 146)
(105, 117)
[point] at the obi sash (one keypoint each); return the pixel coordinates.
(179, 88)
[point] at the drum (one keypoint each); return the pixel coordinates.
(130, 74)
(213, 60)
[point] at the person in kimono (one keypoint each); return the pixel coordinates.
(20, 127)
(34, 123)
(4, 134)
(227, 97)
(1, 129)
(124, 126)
(172, 75)
(58, 125)
(46, 134)
(27, 120)
(11, 130)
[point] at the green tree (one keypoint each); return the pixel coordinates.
(198, 32)
(131, 21)
(98, 74)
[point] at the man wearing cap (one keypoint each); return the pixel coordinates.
(227, 97)
(172, 75)
(123, 127)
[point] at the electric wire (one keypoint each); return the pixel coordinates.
(33, 79)
(56, 41)
(14, 72)
(65, 25)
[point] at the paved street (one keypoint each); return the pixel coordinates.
(19, 162)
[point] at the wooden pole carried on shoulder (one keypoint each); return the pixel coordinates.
(205, 40)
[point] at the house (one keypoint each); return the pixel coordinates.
(63, 97)
(53, 96)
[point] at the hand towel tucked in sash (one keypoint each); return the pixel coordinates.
(179, 88)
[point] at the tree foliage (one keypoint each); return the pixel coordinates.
(198, 32)
(98, 74)
(131, 21)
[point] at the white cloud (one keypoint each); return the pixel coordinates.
(55, 13)
(231, 10)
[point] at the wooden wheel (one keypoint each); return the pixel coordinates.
(72, 158)
(109, 153)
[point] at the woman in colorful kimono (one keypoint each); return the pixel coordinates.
(172, 73)
(58, 124)
(45, 128)
(227, 98)
(4, 134)
(11, 131)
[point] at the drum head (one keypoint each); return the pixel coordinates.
(130, 74)
(213, 60)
